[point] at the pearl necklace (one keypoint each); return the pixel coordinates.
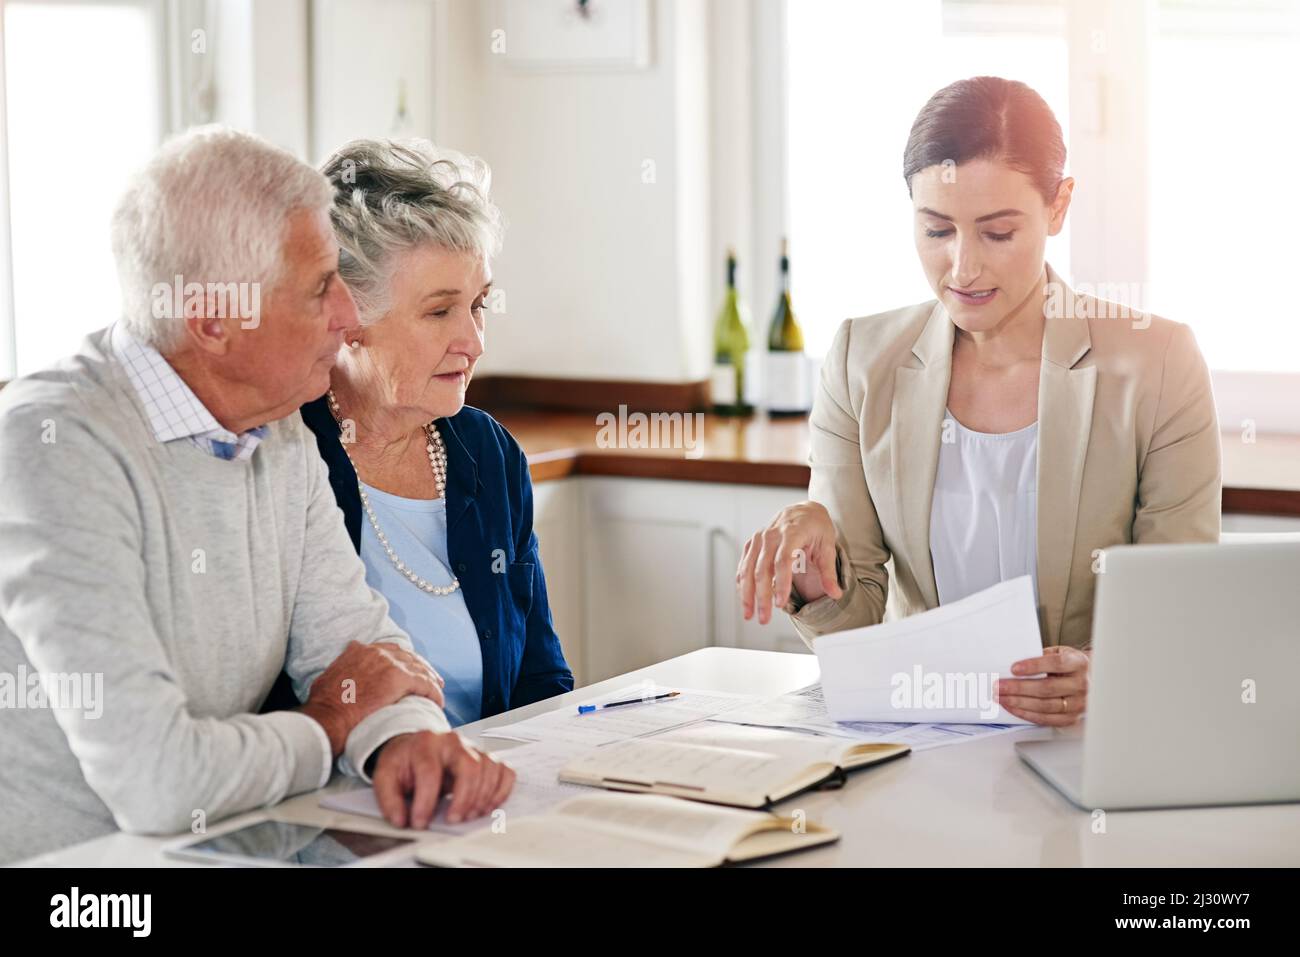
(438, 462)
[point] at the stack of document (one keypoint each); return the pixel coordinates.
(671, 751)
(554, 739)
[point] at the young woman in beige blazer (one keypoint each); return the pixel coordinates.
(1120, 402)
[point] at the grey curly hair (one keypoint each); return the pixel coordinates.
(394, 195)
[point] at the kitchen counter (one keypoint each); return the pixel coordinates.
(1262, 477)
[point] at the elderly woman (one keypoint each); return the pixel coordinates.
(435, 495)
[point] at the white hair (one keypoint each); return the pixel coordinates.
(391, 196)
(210, 207)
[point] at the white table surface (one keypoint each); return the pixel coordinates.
(960, 805)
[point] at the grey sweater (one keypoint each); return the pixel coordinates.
(180, 584)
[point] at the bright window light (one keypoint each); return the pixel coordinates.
(859, 72)
(1225, 133)
(84, 111)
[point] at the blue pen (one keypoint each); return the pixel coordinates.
(588, 708)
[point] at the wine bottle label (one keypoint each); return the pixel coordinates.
(786, 382)
(722, 384)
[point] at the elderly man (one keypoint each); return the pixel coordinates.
(170, 539)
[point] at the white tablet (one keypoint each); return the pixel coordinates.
(285, 844)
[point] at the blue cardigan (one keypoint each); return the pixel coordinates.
(492, 547)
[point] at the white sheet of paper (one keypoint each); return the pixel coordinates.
(566, 726)
(805, 710)
(923, 737)
(537, 789)
(934, 667)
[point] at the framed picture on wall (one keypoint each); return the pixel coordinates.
(572, 34)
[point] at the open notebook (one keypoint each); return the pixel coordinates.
(629, 830)
(726, 764)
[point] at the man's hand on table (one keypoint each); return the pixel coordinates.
(414, 770)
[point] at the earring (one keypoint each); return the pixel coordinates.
(354, 344)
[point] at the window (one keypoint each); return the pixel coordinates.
(1225, 132)
(859, 72)
(1183, 137)
(84, 107)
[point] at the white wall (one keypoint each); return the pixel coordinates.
(604, 275)
(253, 72)
(281, 70)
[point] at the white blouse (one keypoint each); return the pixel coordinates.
(984, 515)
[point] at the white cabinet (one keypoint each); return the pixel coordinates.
(640, 570)
(557, 520)
(653, 556)
(1257, 524)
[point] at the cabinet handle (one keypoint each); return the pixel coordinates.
(710, 537)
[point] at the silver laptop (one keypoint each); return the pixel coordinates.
(1194, 697)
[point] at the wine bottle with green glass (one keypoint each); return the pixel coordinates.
(730, 348)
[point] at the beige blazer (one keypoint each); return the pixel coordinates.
(1128, 451)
